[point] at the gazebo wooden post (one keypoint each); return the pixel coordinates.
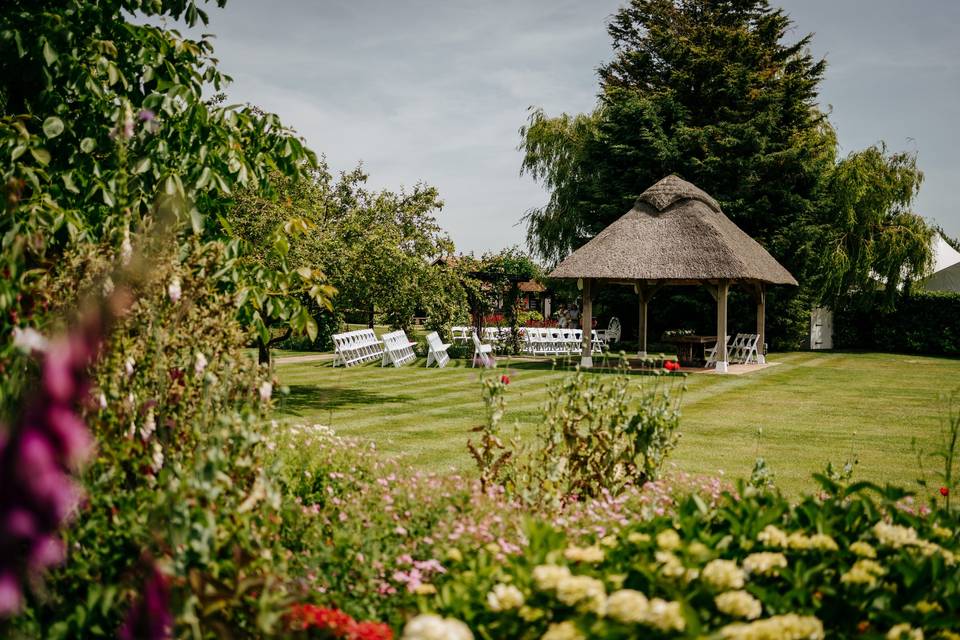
(723, 287)
(761, 295)
(642, 325)
(586, 318)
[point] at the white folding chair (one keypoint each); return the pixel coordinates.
(483, 353)
(436, 350)
(397, 349)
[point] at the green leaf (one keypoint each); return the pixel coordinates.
(87, 145)
(18, 151)
(41, 155)
(142, 165)
(49, 55)
(196, 220)
(52, 127)
(311, 327)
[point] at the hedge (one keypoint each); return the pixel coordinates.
(922, 322)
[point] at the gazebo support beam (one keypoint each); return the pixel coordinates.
(645, 292)
(723, 287)
(761, 295)
(586, 318)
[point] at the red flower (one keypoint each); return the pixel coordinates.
(371, 631)
(505, 379)
(944, 491)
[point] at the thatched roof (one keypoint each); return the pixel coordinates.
(675, 232)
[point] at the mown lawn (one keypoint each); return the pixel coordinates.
(812, 408)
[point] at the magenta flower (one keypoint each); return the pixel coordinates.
(149, 618)
(37, 456)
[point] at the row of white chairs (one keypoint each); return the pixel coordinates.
(743, 350)
(356, 347)
(549, 341)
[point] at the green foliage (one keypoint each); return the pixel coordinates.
(919, 322)
(871, 233)
(600, 434)
(490, 453)
(104, 130)
(719, 94)
(844, 564)
(375, 248)
(179, 476)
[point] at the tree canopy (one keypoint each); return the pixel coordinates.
(716, 93)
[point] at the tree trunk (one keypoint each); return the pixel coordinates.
(370, 318)
(264, 352)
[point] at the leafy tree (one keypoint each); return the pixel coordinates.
(104, 127)
(871, 234)
(375, 247)
(713, 92)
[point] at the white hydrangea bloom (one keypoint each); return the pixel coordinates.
(627, 606)
(764, 563)
(563, 631)
(723, 575)
(575, 590)
(771, 536)
(433, 627)
(786, 627)
(590, 555)
(665, 616)
(547, 576)
(668, 539)
(504, 597)
(739, 604)
(904, 630)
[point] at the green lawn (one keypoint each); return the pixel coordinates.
(812, 408)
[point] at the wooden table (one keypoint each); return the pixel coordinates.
(690, 348)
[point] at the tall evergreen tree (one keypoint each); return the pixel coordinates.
(713, 91)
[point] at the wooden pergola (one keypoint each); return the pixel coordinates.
(675, 235)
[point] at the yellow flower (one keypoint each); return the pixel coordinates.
(670, 565)
(425, 589)
(698, 550)
(771, 536)
(895, 536)
(668, 539)
(723, 575)
(823, 542)
(638, 538)
(904, 630)
(863, 549)
(925, 607)
(504, 597)
(547, 576)
(562, 631)
(609, 541)
(863, 572)
(738, 604)
(592, 554)
(785, 627)
(942, 532)
(627, 606)
(764, 563)
(665, 616)
(454, 555)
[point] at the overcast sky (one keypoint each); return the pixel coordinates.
(435, 90)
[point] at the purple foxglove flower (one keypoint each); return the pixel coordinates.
(150, 618)
(11, 598)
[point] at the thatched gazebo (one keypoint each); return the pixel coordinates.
(676, 234)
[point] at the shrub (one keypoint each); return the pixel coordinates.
(178, 487)
(921, 322)
(600, 434)
(846, 563)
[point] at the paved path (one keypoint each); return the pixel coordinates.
(310, 357)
